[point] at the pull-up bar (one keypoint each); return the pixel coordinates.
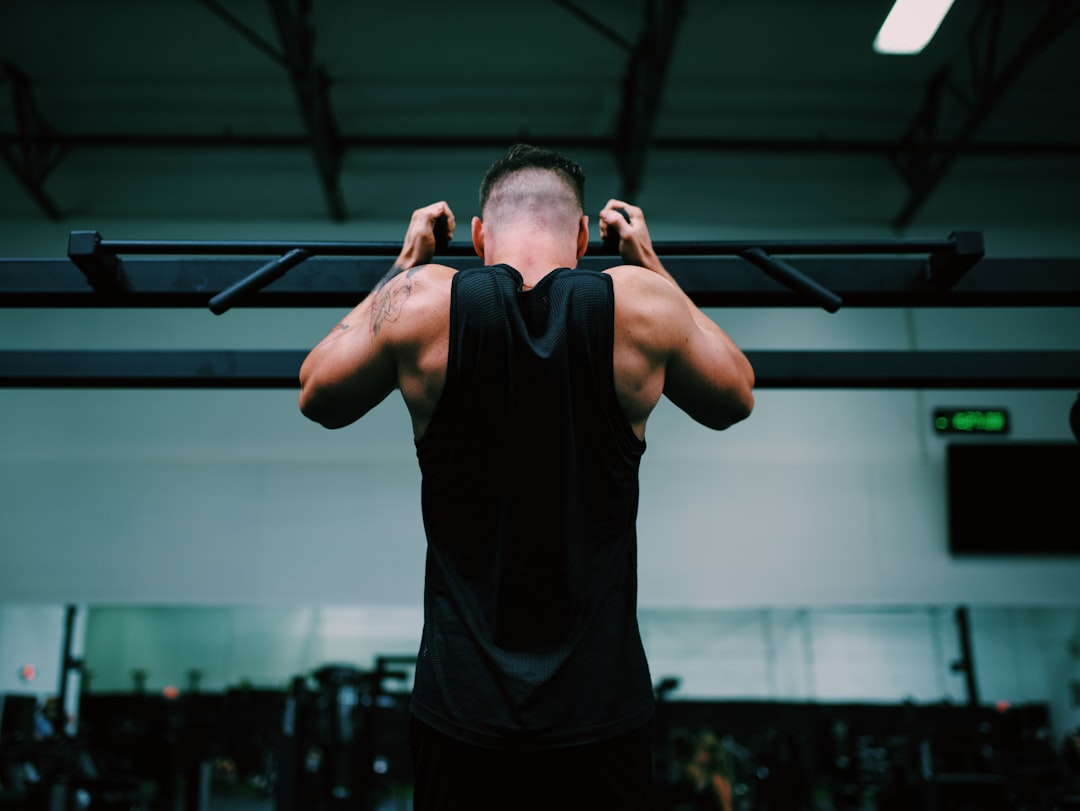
(99, 259)
(145, 247)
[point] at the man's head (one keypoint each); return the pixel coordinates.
(536, 185)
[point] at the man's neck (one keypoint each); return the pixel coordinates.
(533, 254)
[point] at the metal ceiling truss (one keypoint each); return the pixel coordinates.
(922, 156)
(596, 24)
(293, 20)
(642, 85)
(33, 152)
(800, 146)
(948, 272)
(968, 93)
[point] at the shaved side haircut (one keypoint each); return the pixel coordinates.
(536, 184)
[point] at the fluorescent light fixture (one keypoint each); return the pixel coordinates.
(910, 25)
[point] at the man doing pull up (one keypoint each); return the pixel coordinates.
(529, 383)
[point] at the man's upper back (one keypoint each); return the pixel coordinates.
(398, 338)
(421, 340)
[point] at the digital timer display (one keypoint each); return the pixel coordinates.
(971, 421)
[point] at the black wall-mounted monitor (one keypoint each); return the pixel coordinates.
(1013, 498)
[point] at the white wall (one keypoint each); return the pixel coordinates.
(821, 497)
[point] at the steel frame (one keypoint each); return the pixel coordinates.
(278, 369)
(944, 273)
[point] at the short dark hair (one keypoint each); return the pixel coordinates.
(525, 156)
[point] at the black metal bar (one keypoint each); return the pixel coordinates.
(1008, 369)
(244, 30)
(151, 369)
(966, 664)
(268, 273)
(596, 24)
(31, 185)
(643, 87)
(311, 86)
(85, 246)
(792, 278)
(945, 270)
(33, 152)
(410, 141)
(277, 369)
(104, 271)
(392, 249)
(723, 281)
(68, 665)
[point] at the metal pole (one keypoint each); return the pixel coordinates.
(967, 657)
(68, 664)
(392, 249)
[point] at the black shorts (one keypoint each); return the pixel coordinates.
(611, 775)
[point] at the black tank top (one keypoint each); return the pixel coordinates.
(530, 498)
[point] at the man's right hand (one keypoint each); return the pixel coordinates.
(419, 244)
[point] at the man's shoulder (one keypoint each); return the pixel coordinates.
(427, 281)
(432, 272)
(634, 283)
(409, 305)
(648, 305)
(633, 275)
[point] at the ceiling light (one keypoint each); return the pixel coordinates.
(910, 25)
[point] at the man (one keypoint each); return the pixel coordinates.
(529, 384)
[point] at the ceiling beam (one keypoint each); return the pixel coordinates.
(596, 24)
(919, 157)
(279, 369)
(643, 86)
(311, 86)
(835, 146)
(33, 151)
(246, 31)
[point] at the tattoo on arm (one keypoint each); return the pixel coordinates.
(395, 269)
(388, 300)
